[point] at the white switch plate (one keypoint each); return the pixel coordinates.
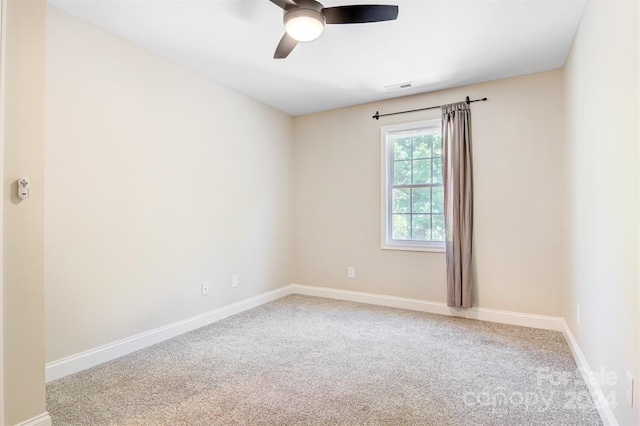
(24, 188)
(628, 389)
(351, 272)
(205, 288)
(234, 281)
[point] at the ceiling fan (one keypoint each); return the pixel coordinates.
(304, 20)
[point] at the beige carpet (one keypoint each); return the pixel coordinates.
(312, 361)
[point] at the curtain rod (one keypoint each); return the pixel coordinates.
(378, 115)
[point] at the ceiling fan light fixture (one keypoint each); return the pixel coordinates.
(304, 24)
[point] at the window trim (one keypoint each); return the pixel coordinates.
(386, 243)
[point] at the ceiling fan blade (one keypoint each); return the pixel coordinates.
(285, 47)
(359, 14)
(285, 4)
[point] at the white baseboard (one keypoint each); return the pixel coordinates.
(75, 363)
(602, 404)
(43, 419)
(78, 362)
(482, 314)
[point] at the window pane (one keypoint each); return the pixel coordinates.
(421, 200)
(421, 171)
(402, 172)
(401, 199)
(402, 148)
(438, 227)
(422, 147)
(437, 170)
(421, 227)
(437, 203)
(401, 227)
(437, 145)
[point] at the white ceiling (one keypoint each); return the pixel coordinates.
(434, 44)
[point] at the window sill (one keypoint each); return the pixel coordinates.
(403, 247)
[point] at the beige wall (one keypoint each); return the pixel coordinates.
(23, 296)
(601, 87)
(157, 179)
(517, 154)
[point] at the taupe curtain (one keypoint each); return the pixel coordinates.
(458, 201)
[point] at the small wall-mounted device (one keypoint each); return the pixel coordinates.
(23, 188)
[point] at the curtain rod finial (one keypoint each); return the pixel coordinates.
(377, 116)
(467, 100)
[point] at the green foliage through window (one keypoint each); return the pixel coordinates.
(417, 198)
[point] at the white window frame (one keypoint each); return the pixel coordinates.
(387, 242)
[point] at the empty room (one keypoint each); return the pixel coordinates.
(286, 212)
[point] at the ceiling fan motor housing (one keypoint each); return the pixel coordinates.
(305, 4)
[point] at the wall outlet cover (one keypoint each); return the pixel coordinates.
(628, 389)
(351, 272)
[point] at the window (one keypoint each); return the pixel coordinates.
(412, 190)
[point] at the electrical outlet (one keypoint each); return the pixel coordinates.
(205, 288)
(351, 272)
(234, 281)
(628, 389)
(578, 314)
